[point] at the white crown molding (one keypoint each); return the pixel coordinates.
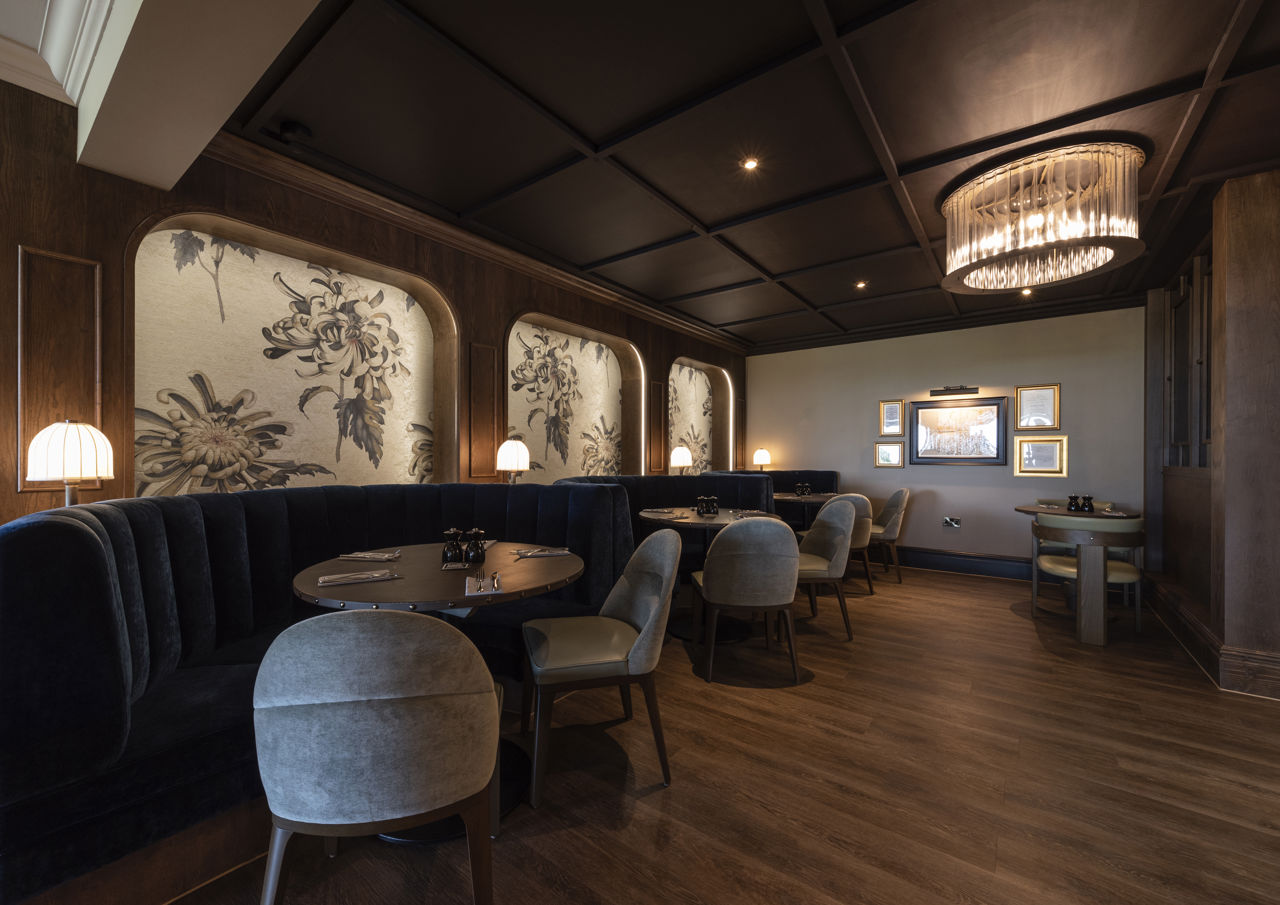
(69, 42)
(24, 67)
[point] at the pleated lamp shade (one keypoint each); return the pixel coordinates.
(69, 451)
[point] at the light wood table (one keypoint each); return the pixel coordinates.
(1091, 565)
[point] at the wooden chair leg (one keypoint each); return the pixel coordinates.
(791, 643)
(650, 689)
(813, 599)
(526, 700)
(624, 691)
(844, 610)
(275, 860)
(768, 631)
(541, 738)
(884, 555)
(1137, 603)
(893, 548)
(713, 613)
(866, 564)
(480, 848)
(495, 794)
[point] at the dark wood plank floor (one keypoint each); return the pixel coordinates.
(955, 751)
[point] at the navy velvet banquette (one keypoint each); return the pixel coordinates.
(131, 632)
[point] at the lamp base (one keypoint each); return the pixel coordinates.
(72, 494)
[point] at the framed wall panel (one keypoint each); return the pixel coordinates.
(484, 411)
(59, 362)
(657, 427)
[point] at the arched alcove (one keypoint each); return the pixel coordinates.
(700, 413)
(575, 396)
(262, 360)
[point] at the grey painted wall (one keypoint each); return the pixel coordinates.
(818, 408)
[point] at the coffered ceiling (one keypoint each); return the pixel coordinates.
(607, 138)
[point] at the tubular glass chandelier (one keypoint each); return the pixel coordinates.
(1051, 217)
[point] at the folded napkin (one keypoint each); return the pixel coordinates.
(356, 577)
(482, 587)
(372, 557)
(538, 552)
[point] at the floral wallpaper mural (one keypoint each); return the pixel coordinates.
(564, 400)
(324, 376)
(689, 414)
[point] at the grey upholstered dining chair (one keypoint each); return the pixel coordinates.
(887, 525)
(1118, 571)
(751, 565)
(1047, 546)
(619, 647)
(859, 539)
(824, 555)
(374, 721)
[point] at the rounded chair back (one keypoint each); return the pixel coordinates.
(890, 517)
(829, 535)
(752, 562)
(372, 715)
(642, 597)
(862, 521)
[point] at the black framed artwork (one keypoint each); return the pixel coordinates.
(959, 431)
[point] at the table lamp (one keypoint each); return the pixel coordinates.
(681, 458)
(71, 452)
(513, 458)
(761, 457)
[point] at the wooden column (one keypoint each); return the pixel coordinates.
(1245, 393)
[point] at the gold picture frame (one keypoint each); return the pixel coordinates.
(890, 455)
(1040, 457)
(893, 412)
(1036, 407)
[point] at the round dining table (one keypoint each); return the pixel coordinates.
(1091, 564)
(421, 585)
(809, 504)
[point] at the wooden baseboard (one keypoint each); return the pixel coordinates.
(1249, 671)
(172, 867)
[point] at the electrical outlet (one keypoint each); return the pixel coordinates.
(951, 521)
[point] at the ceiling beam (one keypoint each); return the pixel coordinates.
(838, 56)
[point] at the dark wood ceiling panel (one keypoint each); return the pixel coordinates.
(604, 67)
(850, 13)
(943, 73)
(1242, 125)
(1005, 301)
(375, 101)
(740, 304)
(849, 225)
(680, 269)
(782, 328)
(1262, 45)
(920, 307)
(1156, 124)
(793, 120)
(883, 274)
(585, 213)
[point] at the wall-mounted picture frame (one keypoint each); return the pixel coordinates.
(891, 417)
(1036, 407)
(889, 455)
(1040, 457)
(959, 431)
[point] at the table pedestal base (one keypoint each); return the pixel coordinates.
(513, 784)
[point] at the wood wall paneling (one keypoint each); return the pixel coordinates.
(658, 427)
(59, 334)
(485, 410)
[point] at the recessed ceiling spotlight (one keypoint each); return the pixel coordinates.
(861, 284)
(750, 163)
(1026, 292)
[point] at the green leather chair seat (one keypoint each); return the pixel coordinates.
(1065, 567)
(814, 567)
(572, 648)
(877, 530)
